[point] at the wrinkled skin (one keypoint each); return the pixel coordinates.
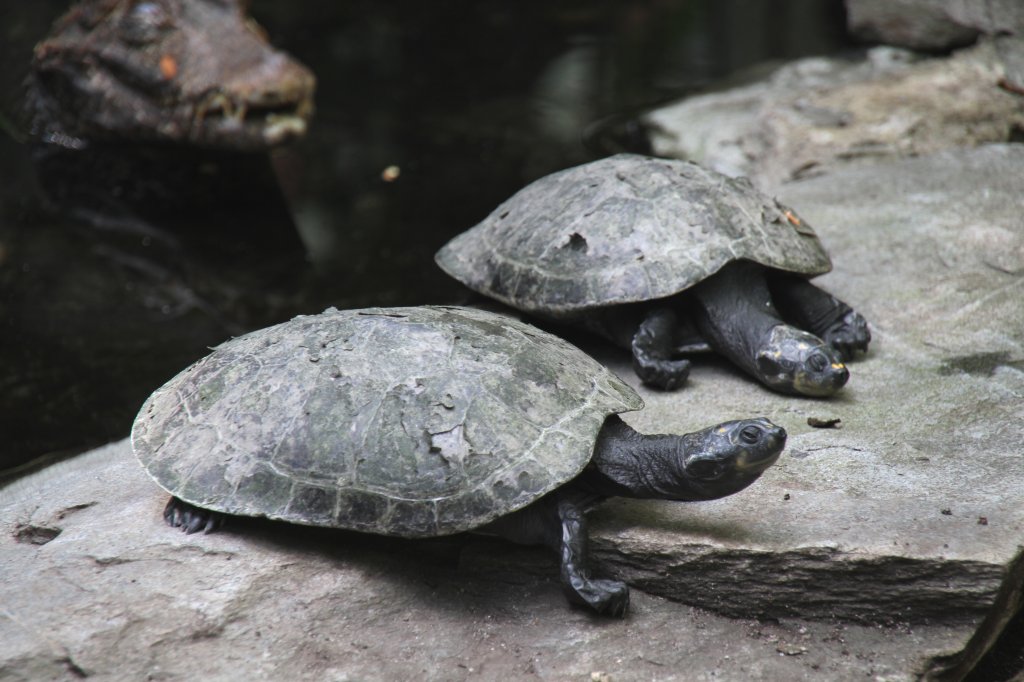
(182, 71)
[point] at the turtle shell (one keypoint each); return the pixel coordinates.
(401, 421)
(625, 229)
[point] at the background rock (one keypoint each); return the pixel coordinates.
(821, 113)
(932, 24)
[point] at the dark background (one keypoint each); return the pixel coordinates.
(470, 99)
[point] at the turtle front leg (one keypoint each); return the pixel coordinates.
(604, 596)
(557, 520)
(821, 313)
(190, 518)
(652, 351)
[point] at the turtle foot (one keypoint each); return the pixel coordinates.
(191, 519)
(667, 375)
(606, 597)
(848, 335)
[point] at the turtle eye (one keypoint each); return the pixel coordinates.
(818, 362)
(750, 435)
(145, 23)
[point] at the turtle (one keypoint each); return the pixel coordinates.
(667, 258)
(422, 422)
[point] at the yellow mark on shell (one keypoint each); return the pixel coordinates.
(722, 429)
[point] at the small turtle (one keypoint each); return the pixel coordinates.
(667, 258)
(420, 422)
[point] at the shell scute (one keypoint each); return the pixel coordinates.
(409, 421)
(644, 229)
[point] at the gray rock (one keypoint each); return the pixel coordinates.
(932, 24)
(821, 113)
(96, 585)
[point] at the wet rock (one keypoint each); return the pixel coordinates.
(822, 113)
(932, 24)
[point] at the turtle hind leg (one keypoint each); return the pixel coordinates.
(190, 518)
(820, 313)
(653, 345)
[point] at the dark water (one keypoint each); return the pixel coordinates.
(468, 100)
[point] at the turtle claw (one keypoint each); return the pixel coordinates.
(191, 519)
(848, 335)
(606, 597)
(652, 351)
(667, 375)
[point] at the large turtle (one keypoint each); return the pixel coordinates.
(419, 422)
(615, 243)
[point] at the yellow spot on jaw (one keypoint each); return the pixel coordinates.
(838, 365)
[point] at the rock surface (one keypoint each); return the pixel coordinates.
(95, 585)
(906, 519)
(932, 24)
(821, 113)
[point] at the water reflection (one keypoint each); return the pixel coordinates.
(428, 115)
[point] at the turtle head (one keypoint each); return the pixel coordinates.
(794, 361)
(725, 459)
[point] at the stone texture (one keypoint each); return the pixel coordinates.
(821, 113)
(96, 585)
(932, 24)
